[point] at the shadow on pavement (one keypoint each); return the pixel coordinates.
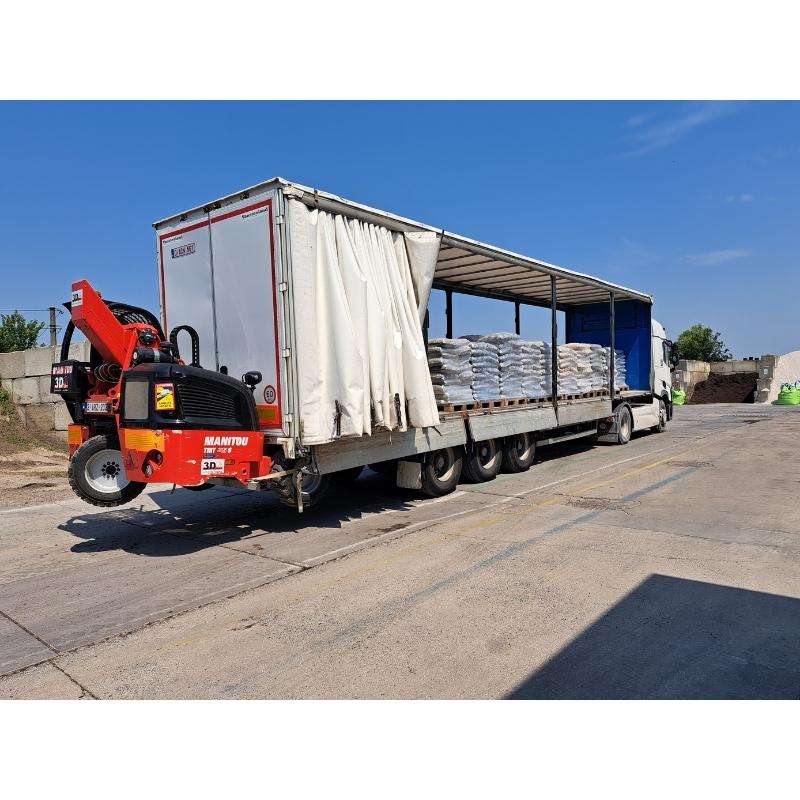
(676, 638)
(211, 518)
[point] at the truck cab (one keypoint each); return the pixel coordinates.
(662, 360)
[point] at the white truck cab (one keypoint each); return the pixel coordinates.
(663, 349)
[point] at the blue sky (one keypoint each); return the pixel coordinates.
(696, 203)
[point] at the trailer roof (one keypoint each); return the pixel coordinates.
(464, 265)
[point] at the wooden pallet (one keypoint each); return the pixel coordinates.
(488, 405)
(585, 395)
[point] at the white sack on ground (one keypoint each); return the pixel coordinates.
(360, 351)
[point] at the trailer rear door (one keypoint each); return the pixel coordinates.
(246, 298)
(219, 274)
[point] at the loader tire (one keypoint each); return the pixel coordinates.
(96, 473)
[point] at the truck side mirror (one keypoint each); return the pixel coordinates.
(673, 354)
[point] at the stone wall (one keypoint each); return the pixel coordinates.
(25, 376)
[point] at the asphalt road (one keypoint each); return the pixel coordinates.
(666, 568)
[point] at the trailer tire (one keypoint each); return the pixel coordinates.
(441, 470)
(346, 477)
(624, 425)
(518, 452)
(96, 473)
(662, 418)
(314, 486)
(483, 461)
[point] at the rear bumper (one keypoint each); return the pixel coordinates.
(191, 457)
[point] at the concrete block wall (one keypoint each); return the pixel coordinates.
(773, 371)
(25, 374)
(688, 374)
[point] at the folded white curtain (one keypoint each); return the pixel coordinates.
(359, 292)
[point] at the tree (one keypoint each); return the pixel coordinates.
(17, 333)
(702, 344)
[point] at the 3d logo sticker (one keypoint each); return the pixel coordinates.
(165, 397)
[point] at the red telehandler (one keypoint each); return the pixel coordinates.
(141, 414)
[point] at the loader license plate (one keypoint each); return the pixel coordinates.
(212, 466)
(96, 408)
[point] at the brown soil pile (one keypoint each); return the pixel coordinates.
(738, 387)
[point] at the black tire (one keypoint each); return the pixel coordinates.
(97, 475)
(346, 477)
(441, 470)
(314, 487)
(624, 425)
(662, 418)
(518, 452)
(483, 461)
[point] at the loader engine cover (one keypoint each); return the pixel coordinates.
(191, 398)
(186, 425)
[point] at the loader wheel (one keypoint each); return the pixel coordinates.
(441, 470)
(97, 474)
(518, 452)
(483, 461)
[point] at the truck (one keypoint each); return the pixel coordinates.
(297, 356)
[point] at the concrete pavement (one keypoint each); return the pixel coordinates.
(666, 568)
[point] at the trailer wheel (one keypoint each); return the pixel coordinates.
(314, 486)
(624, 425)
(662, 418)
(96, 473)
(441, 470)
(345, 477)
(483, 461)
(518, 452)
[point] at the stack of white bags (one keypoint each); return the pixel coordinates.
(536, 357)
(503, 365)
(485, 370)
(620, 370)
(510, 361)
(451, 370)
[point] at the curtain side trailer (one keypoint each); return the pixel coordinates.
(297, 355)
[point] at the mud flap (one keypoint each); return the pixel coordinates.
(409, 474)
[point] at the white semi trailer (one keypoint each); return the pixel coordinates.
(321, 305)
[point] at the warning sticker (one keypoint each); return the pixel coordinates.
(165, 397)
(77, 298)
